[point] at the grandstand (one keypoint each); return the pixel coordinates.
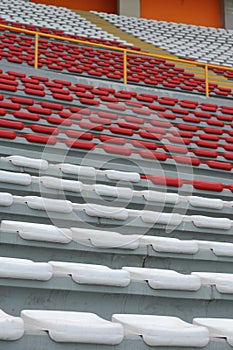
(116, 133)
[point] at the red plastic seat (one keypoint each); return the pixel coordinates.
(117, 150)
(107, 115)
(37, 77)
(50, 105)
(34, 92)
(168, 181)
(144, 144)
(50, 140)
(110, 139)
(152, 155)
(11, 124)
(39, 110)
(207, 144)
(179, 111)
(161, 124)
(176, 139)
(205, 153)
(98, 120)
(88, 101)
(7, 134)
(80, 144)
(27, 116)
(155, 130)
(128, 125)
(22, 100)
(10, 105)
(219, 165)
(90, 126)
(157, 108)
(209, 137)
(109, 99)
(149, 135)
(59, 91)
(202, 114)
(116, 106)
(133, 120)
(191, 119)
(62, 97)
(166, 115)
(208, 186)
(187, 160)
(141, 111)
(63, 82)
(44, 129)
(125, 95)
(59, 121)
(122, 131)
(34, 86)
(7, 87)
(79, 135)
(215, 131)
(85, 95)
(175, 149)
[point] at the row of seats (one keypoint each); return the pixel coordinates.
(205, 44)
(90, 274)
(145, 217)
(81, 327)
(53, 18)
(102, 63)
(109, 129)
(103, 239)
(100, 190)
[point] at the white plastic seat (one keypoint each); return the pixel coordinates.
(209, 222)
(28, 162)
(61, 184)
(122, 176)
(170, 245)
(163, 330)
(104, 239)
(37, 232)
(106, 212)
(75, 327)
(222, 281)
(11, 328)
(15, 178)
(77, 170)
(152, 217)
(6, 199)
(217, 327)
(25, 269)
(164, 279)
(92, 274)
(56, 205)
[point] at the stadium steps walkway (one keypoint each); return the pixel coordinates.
(110, 28)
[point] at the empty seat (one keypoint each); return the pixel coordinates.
(163, 330)
(73, 327)
(92, 274)
(11, 327)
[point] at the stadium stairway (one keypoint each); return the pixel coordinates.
(110, 28)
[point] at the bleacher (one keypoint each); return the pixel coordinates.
(116, 200)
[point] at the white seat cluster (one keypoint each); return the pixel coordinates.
(91, 274)
(52, 17)
(205, 44)
(85, 327)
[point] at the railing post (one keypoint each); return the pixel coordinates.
(36, 50)
(125, 66)
(206, 80)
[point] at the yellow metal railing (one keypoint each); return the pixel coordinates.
(205, 66)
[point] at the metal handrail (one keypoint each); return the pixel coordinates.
(205, 66)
